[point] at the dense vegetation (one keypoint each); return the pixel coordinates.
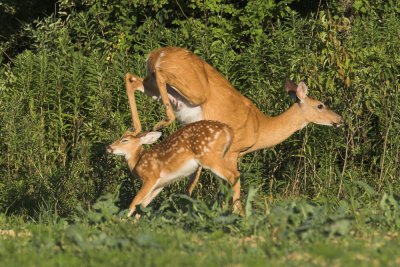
(63, 100)
(184, 232)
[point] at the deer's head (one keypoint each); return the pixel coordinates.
(313, 110)
(130, 145)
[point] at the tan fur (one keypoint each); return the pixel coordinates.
(200, 144)
(198, 83)
(202, 85)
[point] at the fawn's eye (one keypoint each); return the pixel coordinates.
(320, 106)
(124, 140)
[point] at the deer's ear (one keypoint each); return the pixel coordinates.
(150, 138)
(291, 89)
(302, 91)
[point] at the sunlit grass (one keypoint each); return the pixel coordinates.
(187, 232)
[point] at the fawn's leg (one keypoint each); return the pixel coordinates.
(143, 193)
(146, 201)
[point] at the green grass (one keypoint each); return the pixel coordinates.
(185, 232)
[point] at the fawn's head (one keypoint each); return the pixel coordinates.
(313, 110)
(130, 145)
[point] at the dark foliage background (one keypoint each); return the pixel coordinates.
(63, 99)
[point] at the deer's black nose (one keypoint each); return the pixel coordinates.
(338, 124)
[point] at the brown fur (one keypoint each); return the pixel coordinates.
(202, 144)
(198, 83)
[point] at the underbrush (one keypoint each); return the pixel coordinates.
(183, 231)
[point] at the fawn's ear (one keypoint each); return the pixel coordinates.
(150, 138)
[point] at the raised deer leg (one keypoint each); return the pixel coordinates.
(132, 84)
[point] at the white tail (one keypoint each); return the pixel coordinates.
(200, 144)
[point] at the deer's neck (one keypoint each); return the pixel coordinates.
(134, 157)
(275, 130)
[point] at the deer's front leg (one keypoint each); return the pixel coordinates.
(146, 201)
(143, 193)
(134, 83)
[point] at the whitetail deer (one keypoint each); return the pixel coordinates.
(197, 91)
(203, 143)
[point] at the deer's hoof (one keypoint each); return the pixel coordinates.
(162, 124)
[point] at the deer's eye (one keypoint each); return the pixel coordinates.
(124, 140)
(320, 106)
